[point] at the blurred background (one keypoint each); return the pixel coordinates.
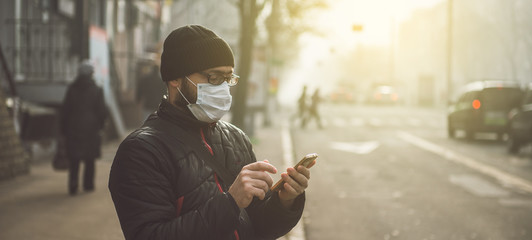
(427, 75)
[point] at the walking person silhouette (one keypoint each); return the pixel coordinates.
(301, 107)
(313, 112)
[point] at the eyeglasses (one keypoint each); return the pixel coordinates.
(217, 79)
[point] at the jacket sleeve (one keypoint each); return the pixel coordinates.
(270, 218)
(146, 204)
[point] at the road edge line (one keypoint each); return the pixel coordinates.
(298, 232)
(505, 178)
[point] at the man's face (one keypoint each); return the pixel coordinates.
(190, 90)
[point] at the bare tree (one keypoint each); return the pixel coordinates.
(288, 20)
(249, 11)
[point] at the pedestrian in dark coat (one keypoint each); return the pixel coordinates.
(82, 118)
(186, 174)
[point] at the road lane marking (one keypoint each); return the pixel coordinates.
(513, 202)
(357, 122)
(355, 147)
(298, 232)
(478, 186)
(503, 177)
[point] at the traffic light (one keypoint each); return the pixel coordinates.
(357, 28)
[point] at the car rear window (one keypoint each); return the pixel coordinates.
(500, 98)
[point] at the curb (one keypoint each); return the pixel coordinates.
(298, 232)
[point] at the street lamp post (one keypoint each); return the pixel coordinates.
(449, 47)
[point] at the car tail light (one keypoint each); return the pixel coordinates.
(394, 97)
(476, 104)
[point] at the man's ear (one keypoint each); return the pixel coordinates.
(174, 83)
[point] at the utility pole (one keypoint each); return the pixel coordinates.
(449, 48)
(392, 51)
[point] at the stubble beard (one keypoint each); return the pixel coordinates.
(186, 90)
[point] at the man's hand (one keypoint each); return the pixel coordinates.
(252, 181)
(295, 183)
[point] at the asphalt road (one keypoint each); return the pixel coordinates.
(392, 173)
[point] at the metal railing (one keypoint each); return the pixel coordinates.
(39, 51)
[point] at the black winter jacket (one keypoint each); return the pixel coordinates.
(82, 117)
(162, 189)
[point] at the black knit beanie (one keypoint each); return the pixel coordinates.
(191, 49)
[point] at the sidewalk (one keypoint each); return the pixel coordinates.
(37, 206)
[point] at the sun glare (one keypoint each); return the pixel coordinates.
(378, 20)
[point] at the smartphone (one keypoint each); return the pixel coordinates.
(306, 161)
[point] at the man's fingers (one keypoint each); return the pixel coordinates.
(299, 184)
(305, 171)
(301, 176)
(258, 175)
(260, 184)
(258, 192)
(290, 189)
(261, 166)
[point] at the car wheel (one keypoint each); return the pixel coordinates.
(500, 136)
(451, 132)
(513, 144)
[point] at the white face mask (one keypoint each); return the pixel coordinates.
(213, 101)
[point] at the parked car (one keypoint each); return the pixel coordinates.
(483, 106)
(520, 123)
(342, 95)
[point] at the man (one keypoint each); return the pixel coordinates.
(82, 118)
(187, 175)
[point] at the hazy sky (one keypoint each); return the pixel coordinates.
(376, 16)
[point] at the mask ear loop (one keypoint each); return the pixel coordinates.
(191, 81)
(182, 92)
(182, 95)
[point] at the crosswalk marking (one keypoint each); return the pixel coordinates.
(339, 122)
(375, 122)
(413, 121)
(357, 122)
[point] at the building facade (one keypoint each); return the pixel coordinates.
(43, 42)
(490, 40)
